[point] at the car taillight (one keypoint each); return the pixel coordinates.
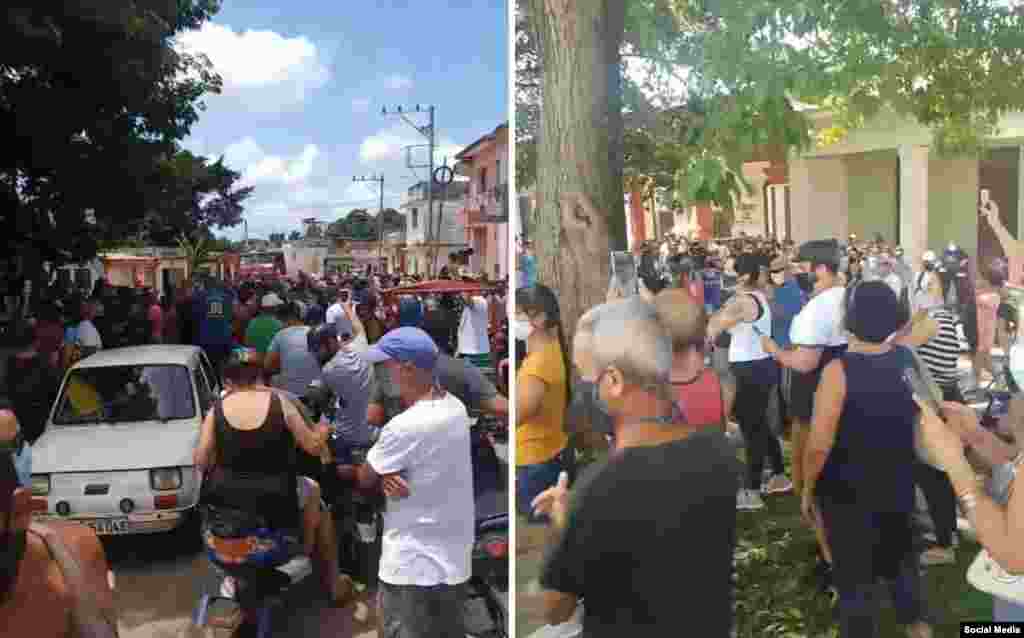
(495, 547)
(166, 501)
(168, 478)
(40, 485)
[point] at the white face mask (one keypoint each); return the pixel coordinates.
(1016, 363)
(522, 330)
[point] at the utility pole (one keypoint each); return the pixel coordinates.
(380, 215)
(428, 132)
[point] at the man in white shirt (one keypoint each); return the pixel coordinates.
(422, 460)
(818, 336)
(84, 333)
(474, 341)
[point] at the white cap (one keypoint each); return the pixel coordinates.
(271, 300)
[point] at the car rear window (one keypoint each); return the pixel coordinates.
(121, 394)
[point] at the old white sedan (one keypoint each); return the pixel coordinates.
(117, 451)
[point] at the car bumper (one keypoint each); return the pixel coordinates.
(147, 523)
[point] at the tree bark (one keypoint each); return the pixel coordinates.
(580, 148)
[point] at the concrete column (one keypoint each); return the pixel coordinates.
(914, 199)
(800, 198)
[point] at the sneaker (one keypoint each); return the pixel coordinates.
(748, 500)
(778, 484)
(919, 630)
(938, 556)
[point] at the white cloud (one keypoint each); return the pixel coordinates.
(361, 105)
(389, 145)
(272, 71)
(259, 167)
(398, 82)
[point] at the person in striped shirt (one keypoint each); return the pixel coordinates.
(938, 346)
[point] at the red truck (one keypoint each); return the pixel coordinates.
(262, 265)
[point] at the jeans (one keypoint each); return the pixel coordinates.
(755, 384)
(531, 480)
(938, 491)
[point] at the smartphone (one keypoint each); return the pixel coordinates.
(985, 195)
(623, 266)
(924, 393)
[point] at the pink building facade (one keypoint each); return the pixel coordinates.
(484, 215)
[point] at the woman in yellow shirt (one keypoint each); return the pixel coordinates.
(542, 396)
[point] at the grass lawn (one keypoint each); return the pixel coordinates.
(774, 595)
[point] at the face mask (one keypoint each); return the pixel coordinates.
(522, 329)
(587, 404)
(10, 560)
(806, 280)
(1016, 364)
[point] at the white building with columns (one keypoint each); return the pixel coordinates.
(885, 178)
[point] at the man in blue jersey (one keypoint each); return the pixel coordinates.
(214, 311)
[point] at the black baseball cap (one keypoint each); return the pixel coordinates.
(820, 251)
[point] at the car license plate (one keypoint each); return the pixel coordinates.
(104, 526)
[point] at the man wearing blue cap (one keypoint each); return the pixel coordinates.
(422, 461)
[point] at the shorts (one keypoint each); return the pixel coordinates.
(415, 611)
(802, 387)
(304, 487)
(531, 480)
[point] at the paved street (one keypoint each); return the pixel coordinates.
(159, 580)
(158, 583)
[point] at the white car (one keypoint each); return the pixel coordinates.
(117, 451)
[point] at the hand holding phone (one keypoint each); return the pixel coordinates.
(924, 395)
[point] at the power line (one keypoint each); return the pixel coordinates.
(429, 132)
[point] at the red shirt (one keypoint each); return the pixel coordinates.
(49, 336)
(701, 400)
(156, 320)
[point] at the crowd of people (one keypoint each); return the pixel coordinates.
(404, 372)
(850, 350)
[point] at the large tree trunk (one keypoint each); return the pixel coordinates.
(580, 148)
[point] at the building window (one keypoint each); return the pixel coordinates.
(497, 269)
(483, 180)
(415, 217)
(497, 170)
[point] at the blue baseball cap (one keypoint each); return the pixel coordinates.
(405, 345)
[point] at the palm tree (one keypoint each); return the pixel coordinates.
(196, 251)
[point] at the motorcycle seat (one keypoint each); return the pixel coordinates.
(492, 523)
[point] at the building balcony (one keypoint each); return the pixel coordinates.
(487, 207)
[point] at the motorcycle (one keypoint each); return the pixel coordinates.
(257, 592)
(490, 551)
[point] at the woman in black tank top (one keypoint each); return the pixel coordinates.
(252, 467)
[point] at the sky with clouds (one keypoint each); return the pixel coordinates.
(304, 84)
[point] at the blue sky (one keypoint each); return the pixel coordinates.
(304, 83)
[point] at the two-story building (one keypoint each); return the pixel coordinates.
(484, 216)
(423, 243)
